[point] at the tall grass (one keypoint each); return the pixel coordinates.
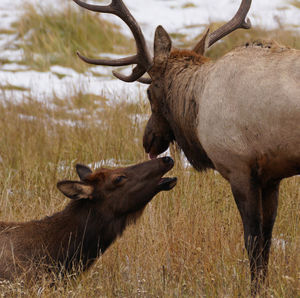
(189, 242)
(49, 37)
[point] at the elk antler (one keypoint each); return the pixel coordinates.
(142, 58)
(238, 21)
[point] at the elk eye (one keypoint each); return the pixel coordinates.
(149, 95)
(119, 179)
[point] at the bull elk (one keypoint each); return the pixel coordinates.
(239, 115)
(102, 204)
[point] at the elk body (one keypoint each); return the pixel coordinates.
(102, 204)
(239, 115)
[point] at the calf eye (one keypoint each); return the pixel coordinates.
(119, 179)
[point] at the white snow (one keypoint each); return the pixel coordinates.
(150, 13)
(174, 18)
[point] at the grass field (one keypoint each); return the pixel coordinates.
(58, 35)
(188, 243)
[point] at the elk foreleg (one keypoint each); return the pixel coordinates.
(269, 207)
(247, 195)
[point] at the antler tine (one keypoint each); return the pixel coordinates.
(142, 58)
(117, 62)
(137, 72)
(96, 8)
(238, 21)
(144, 80)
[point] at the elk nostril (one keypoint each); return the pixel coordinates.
(167, 160)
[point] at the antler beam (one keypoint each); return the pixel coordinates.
(143, 58)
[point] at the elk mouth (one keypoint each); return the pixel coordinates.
(155, 145)
(167, 183)
(152, 156)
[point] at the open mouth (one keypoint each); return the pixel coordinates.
(167, 183)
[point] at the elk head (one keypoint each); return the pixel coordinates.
(123, 191)
(158, 133)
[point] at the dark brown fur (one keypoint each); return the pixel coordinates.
(183, 118)
(103, 204)
(178, 114)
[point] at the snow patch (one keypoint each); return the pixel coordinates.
(171, 14)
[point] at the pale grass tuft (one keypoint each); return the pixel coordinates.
(52, 36)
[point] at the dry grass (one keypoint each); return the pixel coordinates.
(188, 5)
(189, 241)
(285, 37)
(296, 3)
(52, 37)
(290, 38)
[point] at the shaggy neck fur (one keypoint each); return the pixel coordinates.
(181, 104)
(80, 235)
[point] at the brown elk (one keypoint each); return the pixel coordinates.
(239, 115)
(102, 204)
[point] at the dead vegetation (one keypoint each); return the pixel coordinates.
(189, 242)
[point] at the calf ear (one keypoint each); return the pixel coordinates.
(83, 171)
(75, 189)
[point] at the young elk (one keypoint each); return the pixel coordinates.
(102, 204)
(239, 115)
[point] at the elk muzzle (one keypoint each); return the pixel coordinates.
(157, 136)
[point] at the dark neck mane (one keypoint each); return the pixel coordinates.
(181, 105)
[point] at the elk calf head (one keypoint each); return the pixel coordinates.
(122, 191)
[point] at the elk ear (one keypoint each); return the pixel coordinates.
(162, 45)
(202, 45)
(75, 190)
(83, 171)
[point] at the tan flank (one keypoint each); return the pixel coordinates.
(239, 115)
